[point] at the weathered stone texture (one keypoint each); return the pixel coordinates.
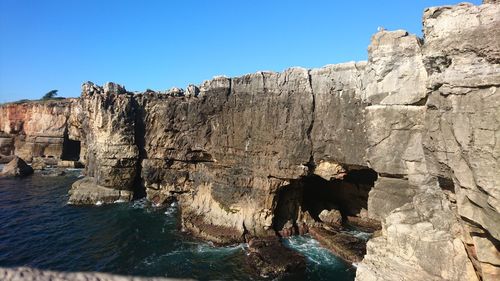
(245, 156)
(395, 73)
(108, 123)
(16, 168)
(455, 220)
(26, 273)
(34, 129)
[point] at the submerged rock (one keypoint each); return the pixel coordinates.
(53, 172)
(16, 168)
(364, 224)
(350, 248)
(270, 258)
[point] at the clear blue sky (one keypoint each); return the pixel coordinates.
(58, 44)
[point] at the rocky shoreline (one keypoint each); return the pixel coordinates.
(406, 142)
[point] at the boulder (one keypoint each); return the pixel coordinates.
(86, 191)
(270, 258)
(364, 224)
(332, 218)
(344, 245)
(17, 168)
(38, 163)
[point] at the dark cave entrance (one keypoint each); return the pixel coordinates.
(71, 149)
(313, 194)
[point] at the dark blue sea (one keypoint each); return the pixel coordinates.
(38, 229)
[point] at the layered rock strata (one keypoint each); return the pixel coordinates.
(407, 139)
(38, 132)
(16, 168)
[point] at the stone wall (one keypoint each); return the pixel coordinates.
(25, 273)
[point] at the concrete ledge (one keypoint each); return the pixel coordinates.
(31, 274)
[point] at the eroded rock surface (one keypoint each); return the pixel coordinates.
(408, 139)
(270, 258)
(450, 158)
(37, 130)
(16, 168)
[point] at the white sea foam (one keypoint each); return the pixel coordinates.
(74, 169)
(171, 209)
(360, 234)
(139, 204)
(98, 203)
(211, 249)
(119, 201)
(311, 248)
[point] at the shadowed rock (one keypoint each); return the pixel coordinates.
(270, 258)
(348, 247)
(16, 168)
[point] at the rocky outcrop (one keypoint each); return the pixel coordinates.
(38, 131)
(449, 156)
(348, 247)
(105, 124)
(462, 121)
(86, 191)
(16, 168)
(269, 258)
(407, 140)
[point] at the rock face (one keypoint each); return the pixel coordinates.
(270, 258)
(407, 139)
(332, 218)
(16, 168)
(86, 191)
(38, 131)
(105, 124)
(446, 148)
(348, 247)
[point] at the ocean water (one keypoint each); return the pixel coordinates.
(38, 229)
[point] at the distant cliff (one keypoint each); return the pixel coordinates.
(37, 130)
(408, 138)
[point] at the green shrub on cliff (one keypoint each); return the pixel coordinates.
(50, 95)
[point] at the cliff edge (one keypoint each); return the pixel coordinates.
(407, 139)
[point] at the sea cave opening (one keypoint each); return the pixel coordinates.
(313, 195)
(71, 149)
(334, 212)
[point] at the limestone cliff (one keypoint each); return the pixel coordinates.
(407, 139)
(37, 131)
